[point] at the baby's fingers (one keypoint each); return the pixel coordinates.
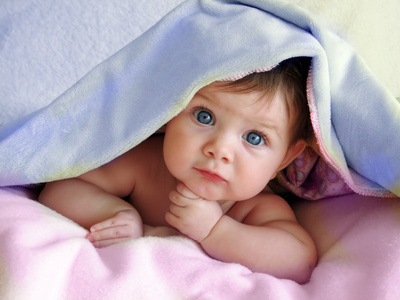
(106, 243)
(172, 219)
(178, 199)
(185, 192)
(111, 235)
(120, 219)
(106, 224)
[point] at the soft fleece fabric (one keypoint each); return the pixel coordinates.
(43, 255)
(134, 92)
(44, 49)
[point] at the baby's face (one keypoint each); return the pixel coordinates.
(226, 145)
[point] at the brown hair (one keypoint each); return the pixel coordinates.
(290, 77)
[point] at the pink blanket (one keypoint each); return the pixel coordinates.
(46, 256)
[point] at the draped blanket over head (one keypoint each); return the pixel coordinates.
(46, 48)
(130, 95)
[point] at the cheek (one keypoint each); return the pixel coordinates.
(254, 176)
(177, 149)
(171, 152)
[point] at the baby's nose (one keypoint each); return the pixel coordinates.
(219, 148)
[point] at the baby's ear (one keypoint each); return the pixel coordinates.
(293, 152)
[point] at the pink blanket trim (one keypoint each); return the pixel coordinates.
(315, 174)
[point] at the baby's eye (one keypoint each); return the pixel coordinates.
(203, 117)
(254, 138)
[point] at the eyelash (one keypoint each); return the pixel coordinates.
(202, 107)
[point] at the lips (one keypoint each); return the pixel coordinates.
(212, 176)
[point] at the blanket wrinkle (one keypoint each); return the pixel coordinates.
(122, 101)
(130, 87)
(310, 177)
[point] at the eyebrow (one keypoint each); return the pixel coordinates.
(258, 121)
(269, 127)
(202, 95)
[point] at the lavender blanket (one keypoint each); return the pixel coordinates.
(134, 92)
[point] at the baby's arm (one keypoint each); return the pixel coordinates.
(263, 235)
(93, 200)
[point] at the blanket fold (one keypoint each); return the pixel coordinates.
(130, 95)
(43, 255)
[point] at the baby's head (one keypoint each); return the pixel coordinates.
(233, 137)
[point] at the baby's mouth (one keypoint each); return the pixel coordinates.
(211, 175)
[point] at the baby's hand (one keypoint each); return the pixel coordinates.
(192, 215)
(125, 225)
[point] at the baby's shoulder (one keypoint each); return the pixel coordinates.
(121, 175)
(264, 207)
(151, 147)
(146, 161)
(142, 156)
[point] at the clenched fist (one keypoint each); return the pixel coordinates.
(191, 214)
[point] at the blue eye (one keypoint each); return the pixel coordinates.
(254, 138)
(204, 117)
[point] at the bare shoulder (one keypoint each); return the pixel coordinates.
(119, 176)
(263, 208)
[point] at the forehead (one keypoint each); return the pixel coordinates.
(255, 105)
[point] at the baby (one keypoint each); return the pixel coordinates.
(207, 177)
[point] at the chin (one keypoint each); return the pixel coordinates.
(205, 190)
